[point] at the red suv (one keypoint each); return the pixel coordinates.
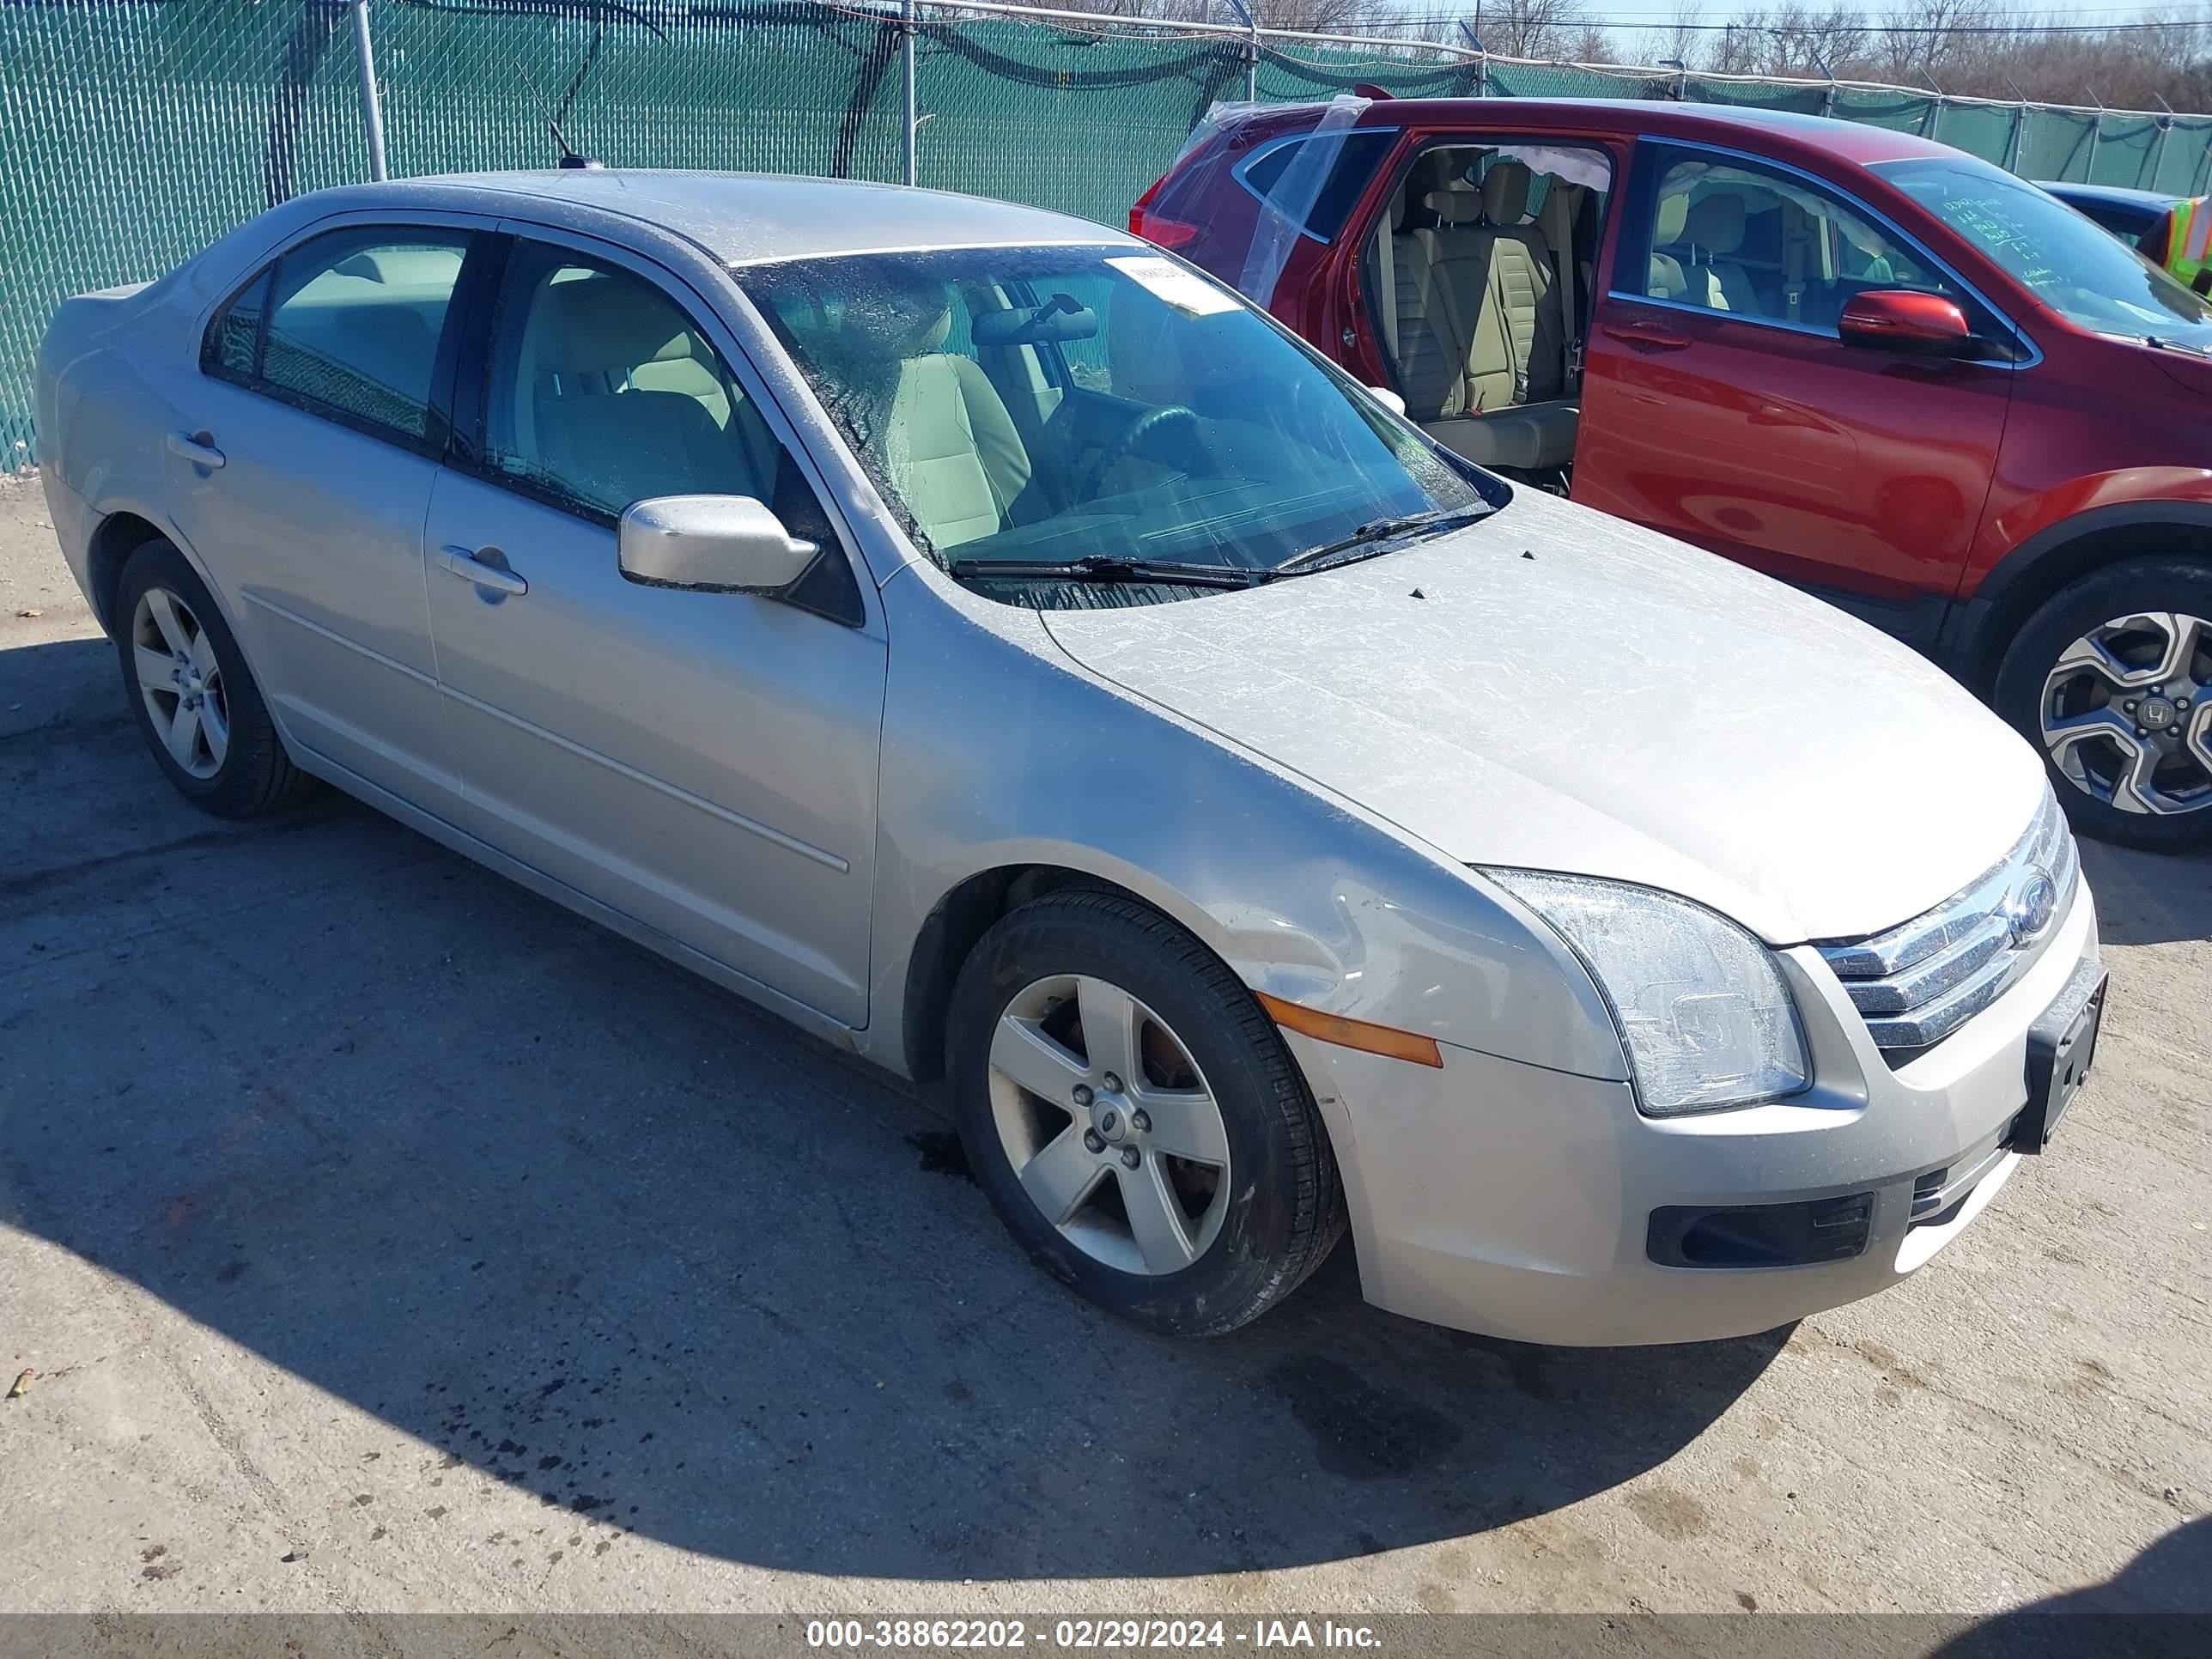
(1869, 364)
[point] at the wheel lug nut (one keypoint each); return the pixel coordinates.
(1131, 1157)
(2129, 706)
(1142, 1119)
(1093, 1141)
(1083, 1094)
(1113, 1083)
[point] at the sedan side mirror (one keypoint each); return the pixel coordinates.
(1904, 321)
(1390, 399)
(712, 543)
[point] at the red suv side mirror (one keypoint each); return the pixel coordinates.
(1900, 320)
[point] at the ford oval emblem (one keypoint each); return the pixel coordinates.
(2030, 907)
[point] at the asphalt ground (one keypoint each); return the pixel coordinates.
(381, 1238)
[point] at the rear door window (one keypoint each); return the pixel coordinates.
(348, 325)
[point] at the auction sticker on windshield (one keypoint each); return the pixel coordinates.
(1168, 281)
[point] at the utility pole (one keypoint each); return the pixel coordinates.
(372, 111)
(909, 158)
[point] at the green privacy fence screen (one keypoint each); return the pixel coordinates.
(134, 131)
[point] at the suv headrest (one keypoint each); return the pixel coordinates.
(1505, 193)
(1716, 223)
(1457, 206)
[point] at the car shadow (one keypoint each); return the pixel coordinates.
(2158, 1607)
(570, 1214)
(2149, 898)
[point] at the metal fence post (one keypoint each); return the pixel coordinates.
(910, 154)
(1251, 49)
(2019, 131)
(372, 111)
(1481, 54)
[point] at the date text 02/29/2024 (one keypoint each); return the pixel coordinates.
(1085, 1635)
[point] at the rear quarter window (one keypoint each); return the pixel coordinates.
(1358, 153)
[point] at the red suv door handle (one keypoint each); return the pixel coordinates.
(1648, 336)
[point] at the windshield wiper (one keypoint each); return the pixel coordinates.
(1359, 543)
(1108, 567)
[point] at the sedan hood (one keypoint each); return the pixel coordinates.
(1556, 690)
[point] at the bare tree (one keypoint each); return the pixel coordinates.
(1534, 28)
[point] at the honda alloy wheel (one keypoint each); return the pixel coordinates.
(2111, 679)
(2127, 713)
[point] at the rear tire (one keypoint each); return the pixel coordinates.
(196, 701)
(1191, 1196)
(2112, 680)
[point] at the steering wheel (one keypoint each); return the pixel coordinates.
(1137, 432)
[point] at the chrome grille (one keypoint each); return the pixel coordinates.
(1924, 979)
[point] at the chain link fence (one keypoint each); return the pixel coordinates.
(137, 130)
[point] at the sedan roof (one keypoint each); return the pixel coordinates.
(749, 218)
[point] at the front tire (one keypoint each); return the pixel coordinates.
(2112, 680)
(1135, 1117)
(197, 704)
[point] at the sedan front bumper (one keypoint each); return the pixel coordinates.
(1495, 1196)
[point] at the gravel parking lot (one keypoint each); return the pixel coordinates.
(379, 1237)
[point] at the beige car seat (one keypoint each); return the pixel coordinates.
(618, 400)
(951, 449)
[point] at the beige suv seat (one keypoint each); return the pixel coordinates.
(1498, 286)
(1431, 357)
(1714, 230)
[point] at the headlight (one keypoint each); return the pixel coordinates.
(1707, 1020)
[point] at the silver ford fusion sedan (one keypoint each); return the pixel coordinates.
(991, 644)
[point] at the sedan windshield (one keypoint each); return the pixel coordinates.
(1049, 422)
(2067, 263)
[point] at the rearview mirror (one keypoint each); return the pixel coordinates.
(714, 543)
(1901, 319)
(1390, 399)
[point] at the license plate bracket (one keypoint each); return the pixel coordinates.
(2061, 1047)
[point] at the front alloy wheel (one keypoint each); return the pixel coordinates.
(1109, 1125)
(1135, 1117)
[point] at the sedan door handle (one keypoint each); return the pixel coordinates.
(468, 568)
(1649, 336)
(196, 447)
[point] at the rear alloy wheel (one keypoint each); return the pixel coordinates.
(1135, 1117)
(2113, 679)
(194, 698)
(180, 681)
